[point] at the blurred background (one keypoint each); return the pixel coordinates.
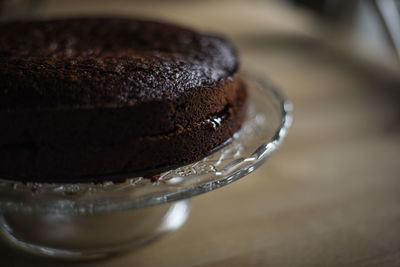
(331, 195)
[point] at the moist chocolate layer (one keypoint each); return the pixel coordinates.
(89, 160)
(100, 96)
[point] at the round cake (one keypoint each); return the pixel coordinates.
(87, 99)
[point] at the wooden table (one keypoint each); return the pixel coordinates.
(331, 195)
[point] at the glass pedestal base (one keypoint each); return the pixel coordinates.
(91, 236)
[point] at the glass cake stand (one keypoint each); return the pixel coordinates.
(86, 220)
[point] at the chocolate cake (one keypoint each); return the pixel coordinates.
(85, 99)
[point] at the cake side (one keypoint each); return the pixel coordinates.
(94, 158)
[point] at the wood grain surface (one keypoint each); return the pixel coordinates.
(331, 195)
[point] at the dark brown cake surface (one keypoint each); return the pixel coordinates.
(102, 96)
(96, 62)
